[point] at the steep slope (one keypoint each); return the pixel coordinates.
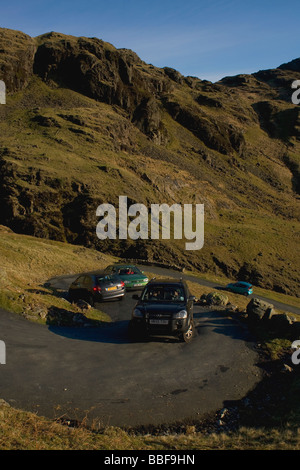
(86, 122)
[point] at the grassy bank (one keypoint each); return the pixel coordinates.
(25, 431)
(28, 262)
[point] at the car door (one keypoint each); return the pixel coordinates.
(109, 270)
(240, 289)
(87, 286)
(77, 288)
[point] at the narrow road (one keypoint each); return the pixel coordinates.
(98, 374)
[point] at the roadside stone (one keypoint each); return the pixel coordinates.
(40, 311)
(243, 316)
(257, 309)
(83, 304)
(268, 313)
(296, 329)
(282, 321)
(62, 317)
(78, 318)
(4, 403)
(216, 298)
(231, 308)
(202, 300)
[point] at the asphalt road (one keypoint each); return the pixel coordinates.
(100, 375)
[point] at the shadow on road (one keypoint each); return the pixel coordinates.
(220, 323)
(117, 332)
(114, 333)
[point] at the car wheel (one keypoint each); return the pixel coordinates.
(188, 335)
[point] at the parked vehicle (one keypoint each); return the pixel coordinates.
(240, 288)
(165, 307)
(130, 274)
(96, 288)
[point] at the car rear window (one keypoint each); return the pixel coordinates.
(163, 293)
(106, 277)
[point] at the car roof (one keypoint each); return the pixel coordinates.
(166, 281)
(117, 265)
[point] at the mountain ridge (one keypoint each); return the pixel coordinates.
(94, 122)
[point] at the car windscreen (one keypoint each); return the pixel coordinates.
(128, 270)
(163, 293)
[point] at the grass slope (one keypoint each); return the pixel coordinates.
(28, 262)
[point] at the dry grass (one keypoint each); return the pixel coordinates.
(21, 430)
(28, 262)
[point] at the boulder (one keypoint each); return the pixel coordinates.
(62, 317)
(282, 321)
(269, 313)
(296, 329)
(83, 304)
(216, 298)
(258, 309)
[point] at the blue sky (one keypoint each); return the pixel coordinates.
(207, 39)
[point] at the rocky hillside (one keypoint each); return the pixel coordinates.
(86, 122)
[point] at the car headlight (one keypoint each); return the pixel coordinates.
(137, 313)
(181, 314)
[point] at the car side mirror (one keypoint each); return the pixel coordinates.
(136, 297)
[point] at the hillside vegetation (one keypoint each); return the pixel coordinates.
(86, 122)
(27, 263)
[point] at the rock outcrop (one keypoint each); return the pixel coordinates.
(17, 51)
(86, 122)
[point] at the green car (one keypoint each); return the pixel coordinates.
(130, 274)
